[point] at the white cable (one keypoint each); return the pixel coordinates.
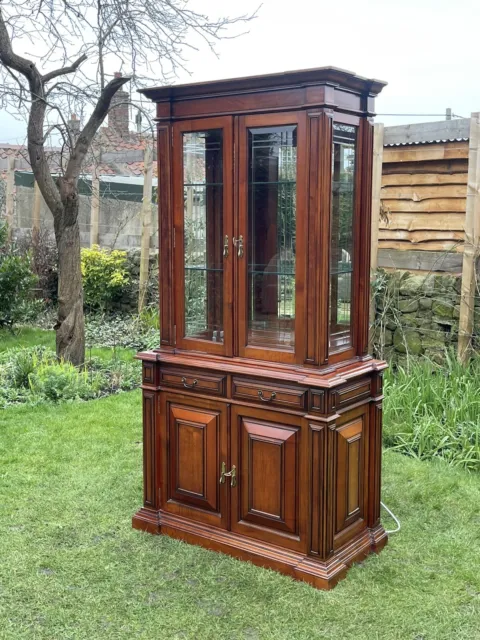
(397, 521)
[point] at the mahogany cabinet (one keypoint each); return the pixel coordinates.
(261, 406)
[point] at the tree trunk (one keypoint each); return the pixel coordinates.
(70, 325)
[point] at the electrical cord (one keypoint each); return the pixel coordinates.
(392, 515)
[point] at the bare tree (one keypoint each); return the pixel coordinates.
(73, 44)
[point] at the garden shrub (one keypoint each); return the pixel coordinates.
(33, 375)
(16, 280)
(60, 381)
(17, 365)
(105, 277)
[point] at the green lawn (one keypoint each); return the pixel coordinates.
(72, 567)
(32, 336)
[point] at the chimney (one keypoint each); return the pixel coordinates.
(74, 126)
(118, 116)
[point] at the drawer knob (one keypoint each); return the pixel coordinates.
(273, 395)
(189, 386)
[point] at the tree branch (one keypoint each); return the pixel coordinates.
(64, 70)
(11, 59)
(90, 129)
(36, 119)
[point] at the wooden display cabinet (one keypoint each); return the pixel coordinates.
(261, 407)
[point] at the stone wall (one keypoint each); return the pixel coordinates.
(129, 302)
(119, 223)
(417, 315)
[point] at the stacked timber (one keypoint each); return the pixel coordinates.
(423, 203)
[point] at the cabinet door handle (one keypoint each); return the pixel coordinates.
(231, 474)
(273, 395)
(189, 386)
(225, 247)
(238, 242)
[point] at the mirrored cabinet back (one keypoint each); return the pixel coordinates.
(262, 410)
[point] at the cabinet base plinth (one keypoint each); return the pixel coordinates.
(322, 574)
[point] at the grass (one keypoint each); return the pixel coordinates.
(72, 567)
(432, 412)
(32, 336)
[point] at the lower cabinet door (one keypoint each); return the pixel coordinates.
(351, 474)
(268, 499)
(193, 435)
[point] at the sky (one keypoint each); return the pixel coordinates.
(426, 50)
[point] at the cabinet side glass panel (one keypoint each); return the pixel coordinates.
(203, 234)
(341, 241)
(272, 192)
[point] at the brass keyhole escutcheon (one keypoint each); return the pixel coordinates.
(230, 474)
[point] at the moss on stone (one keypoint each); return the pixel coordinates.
(442, 309)
(408, 305)
(425, 303)
(407, 341)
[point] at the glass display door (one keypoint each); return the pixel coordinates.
(203, 234)
(270, 236)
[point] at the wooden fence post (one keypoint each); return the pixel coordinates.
(146, 218)
(95, 209)
(10, 201)
(37, 203)
(472, 242)
(378, 132)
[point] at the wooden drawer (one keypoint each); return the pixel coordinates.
(265, 393)
(192, 380)
(351, 393)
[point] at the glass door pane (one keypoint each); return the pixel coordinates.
(203, 234)
(341, 242)
(271, 251)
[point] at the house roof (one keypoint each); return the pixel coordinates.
(118, 156)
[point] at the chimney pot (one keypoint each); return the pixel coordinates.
(74, 125)
(119, 113)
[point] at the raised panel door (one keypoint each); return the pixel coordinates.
(194, 443)
(267, 451)
(350, 475)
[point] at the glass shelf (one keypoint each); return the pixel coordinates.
(212, 269)
(203, 184)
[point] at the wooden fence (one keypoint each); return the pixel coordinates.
(423, 198)
(426, 204)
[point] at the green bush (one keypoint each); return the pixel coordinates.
(16, 280)
(16, 365)
(105, 277)
(34, 375)
(433, 412)
(61, 381)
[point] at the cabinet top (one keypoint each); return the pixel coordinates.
(332, 76)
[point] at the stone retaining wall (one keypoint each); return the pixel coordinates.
(417, 316)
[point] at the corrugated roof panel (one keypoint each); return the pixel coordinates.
(427, 132)
(419, 142)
